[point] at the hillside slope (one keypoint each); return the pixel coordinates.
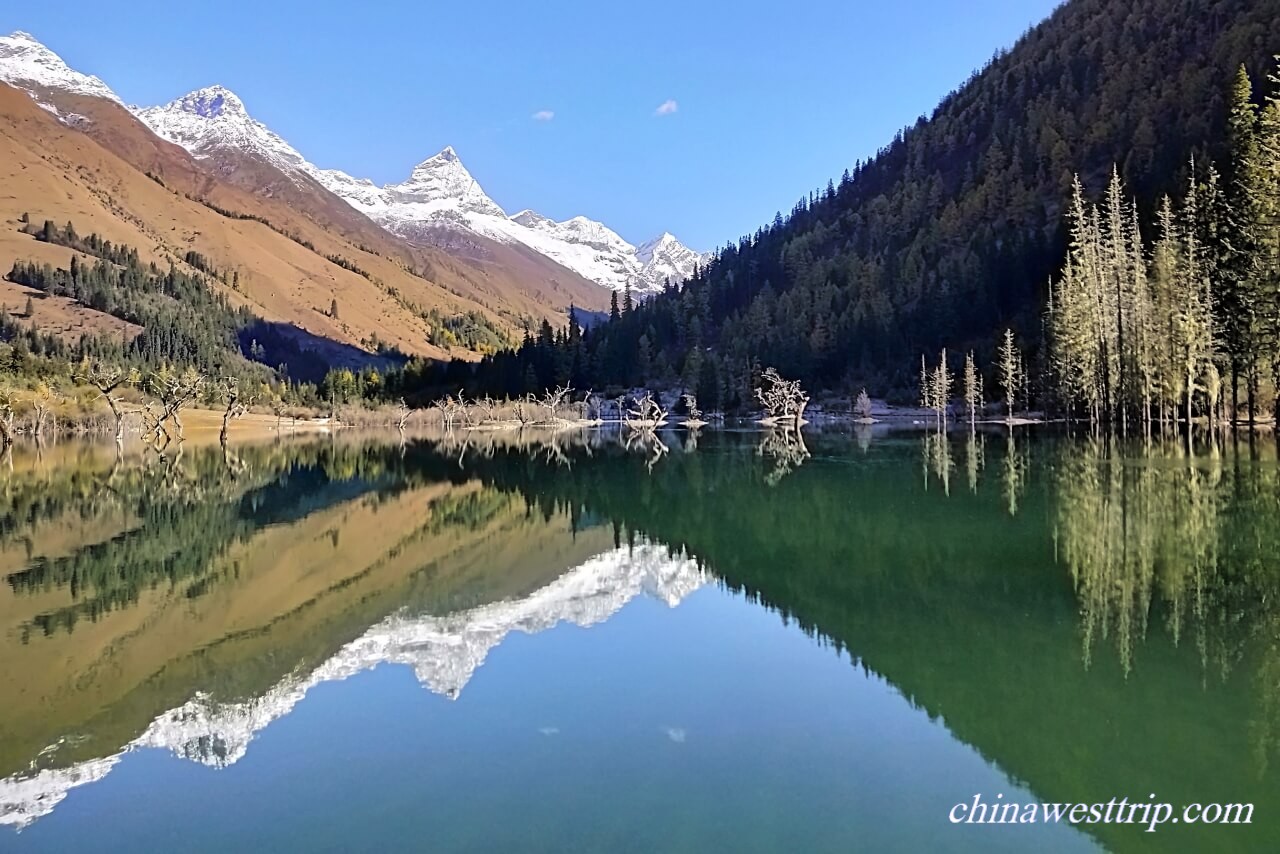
(49, 171)
(227, 144)
(282, 261)
(952, 231)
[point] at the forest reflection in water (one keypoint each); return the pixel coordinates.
(999, 581)
(1144, 526)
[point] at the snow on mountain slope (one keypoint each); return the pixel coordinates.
(443, 651)
(214, 118)
(442, 182)
(439, 193)
(442, 193)
(28, 65)
(665, 257)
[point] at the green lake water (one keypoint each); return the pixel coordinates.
(735, 641)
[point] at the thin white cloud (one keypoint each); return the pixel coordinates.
(667, 107)
(543, 116)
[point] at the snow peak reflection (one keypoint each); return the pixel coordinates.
(1114, 811)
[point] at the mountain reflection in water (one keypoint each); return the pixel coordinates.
(1095, 618)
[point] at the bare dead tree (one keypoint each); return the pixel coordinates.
(153, 424)
(42, 400)
(108, 379)
(174, 391)
(238, 399)
(6, 420)
(278, 408)
(403, 413)
(524, 408)
(648, 414)
(191, 385)
(469, 415)
(784, 400)
(486, 410)
(592, 406)
(551, 402)
(451, 409)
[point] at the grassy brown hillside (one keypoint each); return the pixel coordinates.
(512, 281)
(108, 174)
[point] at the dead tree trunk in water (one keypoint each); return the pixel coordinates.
(648, 414)
(6, 422)
(784, 400)
(107, 380)
(238, 403)
(43, 402)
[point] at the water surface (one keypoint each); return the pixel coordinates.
(735, 642)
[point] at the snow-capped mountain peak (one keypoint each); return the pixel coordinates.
(441, 193)
(440, 181)
(532, 219)
(438, 194)
(215, 119)
(28, 65)
(665, 258)
(663, 242)
(585, 232)
(212, 102)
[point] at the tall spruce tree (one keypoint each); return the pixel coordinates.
(1239, 315)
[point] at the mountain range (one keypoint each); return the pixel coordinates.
(439, 198)
(405, 266)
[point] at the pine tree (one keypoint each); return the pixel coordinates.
(940, 389)
(1010, 371)
(1268, 149)
(1240, 288)
(926, 385)
(1194, 317)
(972, 387)
(1075, 324)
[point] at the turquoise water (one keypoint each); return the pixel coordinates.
(746, 644)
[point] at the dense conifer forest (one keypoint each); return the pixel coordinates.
(951, 233)
(184, 321)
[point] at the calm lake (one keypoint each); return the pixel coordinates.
(743, 643)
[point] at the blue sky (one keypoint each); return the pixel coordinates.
(765, 100)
